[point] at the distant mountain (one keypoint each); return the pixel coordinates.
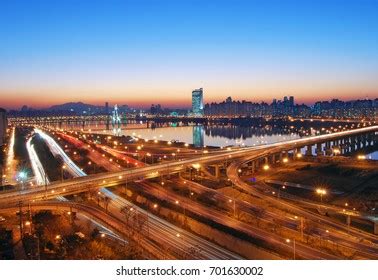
(77, 107)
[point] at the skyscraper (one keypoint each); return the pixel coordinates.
(106, 108)
(197, 102)
(291, 100)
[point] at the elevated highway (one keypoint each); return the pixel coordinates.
(86, 183)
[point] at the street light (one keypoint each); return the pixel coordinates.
(336, 151)
(23, 176)
(289, 241)
(279, 190)
(196, 165)
(233, 205)
(63, 168)
(321, 192)
(266, 167)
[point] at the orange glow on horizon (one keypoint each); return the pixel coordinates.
(168, 98)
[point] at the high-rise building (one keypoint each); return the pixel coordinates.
(106, 108)
(197, 102)
(3, 125)
(291, 100)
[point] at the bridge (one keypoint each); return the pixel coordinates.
(236, 158)
(358, 137)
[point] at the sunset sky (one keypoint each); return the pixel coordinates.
(140, 52)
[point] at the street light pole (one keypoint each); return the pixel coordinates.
(294, 247)
(234, 208)
(63, 168)
(288, 241)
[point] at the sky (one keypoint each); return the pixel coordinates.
(140, 52)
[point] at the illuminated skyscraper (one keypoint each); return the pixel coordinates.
(197, 102)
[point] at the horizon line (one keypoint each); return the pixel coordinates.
(144, 105)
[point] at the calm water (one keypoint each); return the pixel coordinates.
(199, 135)
(220, 135)
(211, 136)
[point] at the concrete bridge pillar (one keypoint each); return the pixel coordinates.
(217, 171)
(257, 163)
(297, 151)
(359, 141)
(253, 167)
(376, 228)
(369, 139)
(319, 151)
(274, 158)
(375, 138)
(341, 145)
(309, 150)
(336, 143)
(364, 140)
(280, 157)
(346, 147)
(327, 148)
(352, 144)
(286, 154)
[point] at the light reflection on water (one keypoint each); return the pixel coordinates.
(199, 135)
(373, 155)
(203, 135)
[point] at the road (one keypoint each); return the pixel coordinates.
(365, 250)
(161, 231)
(11, 164)
(273, 240)
(237, 155)
(40, 176)
(96, 214)
(332, 234)
(77, 185)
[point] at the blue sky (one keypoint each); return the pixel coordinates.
(150, 51)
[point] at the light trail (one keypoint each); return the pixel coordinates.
(58, 151)
(37, 167)
(10, 158)
(160, 228)
(41, 177)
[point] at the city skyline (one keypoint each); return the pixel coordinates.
(143, 52)
(188, 106)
